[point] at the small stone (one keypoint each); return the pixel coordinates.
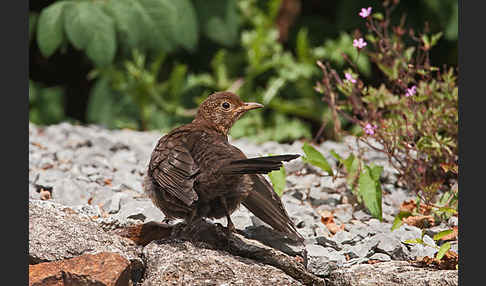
(322, 259)
(391, 246)
(343, 213)
(361, 215)
(361, 250)
(326, 242)
(343, 237)
(453, 221)
(380, 257)
(113, 205)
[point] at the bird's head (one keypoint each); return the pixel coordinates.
(221, 110)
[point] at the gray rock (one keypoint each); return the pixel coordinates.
(363, 249)
(71, 192)
(419, 250)
(322, 260)
(343, 237)
(320, 196)
(326, 242)
(380, 256)
(57, 232)
(391, 273)
(183, 263)
(390, 246)
(139, 210)
(453, 221)
(343, 213)
(455, 246)
(362, 215)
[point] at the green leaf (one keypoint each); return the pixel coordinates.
(33, 17)
(132, 24)
(370, 191)
(50, 34)
(315, 158)
(351, 164)
(90, 29)
(187, 26)
(376, 172)
(378, 16)
(218, 20)
(414, 241)
(336, 155)
(442, 250)
(442, 234)
(435, 38)
(163, 22)
(278, 180)
(398, 219)
(302, 46)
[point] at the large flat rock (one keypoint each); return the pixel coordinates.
(391, 273)
(57, 233)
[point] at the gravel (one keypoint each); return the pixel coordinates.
(101, 172)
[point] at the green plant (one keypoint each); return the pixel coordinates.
(132, 95)
(441, 250)
(46, 104)
(101, 29)
(412, 113)
(363, 179)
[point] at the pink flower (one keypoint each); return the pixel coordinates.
(411, 91)
(359, 43)
(369, 129)
(365, 12)
(349, 77)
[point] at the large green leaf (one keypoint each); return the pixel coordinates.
(219, 20)
(315, 158)
(50, 33)
(187, 26)
(370, 191)
(132, 24)
(90, 29)
(162, 20)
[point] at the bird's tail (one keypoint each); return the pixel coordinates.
(263, 202)
(260, 165)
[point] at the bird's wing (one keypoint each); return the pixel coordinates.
(174, 170)
(263, 202)
(260, 165)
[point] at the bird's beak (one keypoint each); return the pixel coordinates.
(251, 105)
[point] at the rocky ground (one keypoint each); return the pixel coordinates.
(85, 183)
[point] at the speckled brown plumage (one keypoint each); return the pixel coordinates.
(195, 173)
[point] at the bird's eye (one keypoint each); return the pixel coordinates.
(225, 105)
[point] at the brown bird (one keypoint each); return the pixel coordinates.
(195, 173)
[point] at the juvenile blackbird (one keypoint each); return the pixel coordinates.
(195, 173)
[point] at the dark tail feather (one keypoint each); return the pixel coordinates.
(260, 165)
(266, 205)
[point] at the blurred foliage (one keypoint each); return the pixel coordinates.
(153, 61)
(45, 104)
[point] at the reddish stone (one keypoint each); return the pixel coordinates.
(143, 234)
(106, 268)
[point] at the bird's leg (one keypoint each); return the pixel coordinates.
(230, 226)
